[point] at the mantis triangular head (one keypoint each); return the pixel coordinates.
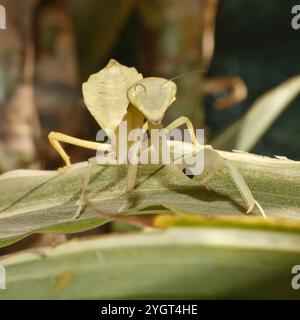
(152, 96)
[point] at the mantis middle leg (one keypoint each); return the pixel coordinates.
(55, 138)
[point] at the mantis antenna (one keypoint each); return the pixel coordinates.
(183, 75)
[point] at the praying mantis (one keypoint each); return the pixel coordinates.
(118, 93)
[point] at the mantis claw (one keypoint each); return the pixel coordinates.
(64, 168)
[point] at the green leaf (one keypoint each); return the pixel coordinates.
(246, 132)
(186, 263)
(45, 201)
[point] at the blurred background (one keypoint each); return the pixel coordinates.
(242, 49)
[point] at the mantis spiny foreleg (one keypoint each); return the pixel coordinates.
(214, 162)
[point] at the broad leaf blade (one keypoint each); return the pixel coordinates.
(186, 263)
(245, 133)
(39, 201)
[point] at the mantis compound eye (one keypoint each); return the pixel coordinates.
(141, 85)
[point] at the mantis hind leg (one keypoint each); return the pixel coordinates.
(85, 187)
(55, 138)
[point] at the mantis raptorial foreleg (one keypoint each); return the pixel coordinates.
(55, 138)
(181, 121)
(133, 168)
(243, 188)
(213, 163)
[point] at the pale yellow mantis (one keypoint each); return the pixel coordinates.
(118, 93)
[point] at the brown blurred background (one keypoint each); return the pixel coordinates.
(51, 46)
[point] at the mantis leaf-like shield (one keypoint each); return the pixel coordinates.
(105, 93)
